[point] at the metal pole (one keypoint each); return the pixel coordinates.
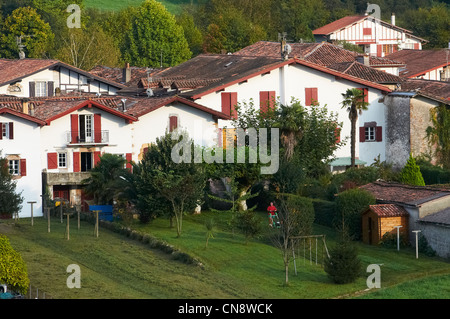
(398, 237)
(417, 242)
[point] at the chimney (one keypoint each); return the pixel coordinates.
(393, 18)
(363, 59)
(25, 104)
(126, 75)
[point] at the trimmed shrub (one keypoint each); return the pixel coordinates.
(325, 212)
(350, 205)
(411, 174)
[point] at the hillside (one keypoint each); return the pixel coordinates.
(174, 6)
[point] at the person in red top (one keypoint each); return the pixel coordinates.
(272, 212)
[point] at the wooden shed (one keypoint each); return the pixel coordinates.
(381, 219)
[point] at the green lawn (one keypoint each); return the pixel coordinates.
(173, 6)
(114, 266)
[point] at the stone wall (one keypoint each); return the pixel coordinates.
(397, 130)
(438, 238)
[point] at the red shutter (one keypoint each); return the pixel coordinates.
(11, 130)
(1, 130)
(97, 156)
(219, 137)
(263, 101)
(233, 103)
(308, 96)
(97, 128)
(173, 123)
(379, 134)
(367, 31)
(229, 101)
(226, 103)
(23, 167)
(266, 100)
(52, 160)
(416, 46)
(74, 128)
(76, 162)
(379, 50)
(337, 134)
(314, 96)
(129, 159)
(362, 134)
(366, 95)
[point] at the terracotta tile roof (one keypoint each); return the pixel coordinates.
(140, 106)
(365, 72)
(404, 194)
(7, 110)
(14, 70)
(11, 70)
(273, 49)
(338, 24)
(116, 74)
(323, 53)
(388, 210)
(419, 62)
(438, 90)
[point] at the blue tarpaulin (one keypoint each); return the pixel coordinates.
(106, 211)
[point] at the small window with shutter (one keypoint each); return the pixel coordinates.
(370, 132)
(173, 123)
(7, 130)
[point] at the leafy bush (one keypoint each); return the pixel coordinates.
(424, 247)
(350, 204)
(389, 240)
(433, 174)
(13, 270)
(248, 224)
(325, 212)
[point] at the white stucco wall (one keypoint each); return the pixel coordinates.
(25, 145)
(291, 81)
(199, 125)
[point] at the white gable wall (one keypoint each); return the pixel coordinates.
(25, 145)
(199, 125)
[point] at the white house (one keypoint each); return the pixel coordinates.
(375, 36)
(20, 141)
(238, 79)
(46, 78)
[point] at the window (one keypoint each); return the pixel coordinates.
(266, 101)
(62, 160)
(367, 31)
(7, 130)
(14, 167)
(41, 88)
(369, 134)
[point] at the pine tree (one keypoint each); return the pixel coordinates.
(411, 174)
(343, 266)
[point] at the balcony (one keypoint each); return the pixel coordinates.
(82, 138)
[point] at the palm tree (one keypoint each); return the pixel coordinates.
(355, 104)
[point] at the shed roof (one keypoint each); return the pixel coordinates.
(442, 217)
(388, 210)
(404, 194)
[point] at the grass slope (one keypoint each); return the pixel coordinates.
(114, 266)
(173, 6)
